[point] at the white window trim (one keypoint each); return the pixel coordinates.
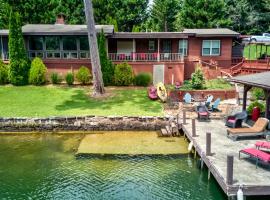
(211, 48)
(186, 49)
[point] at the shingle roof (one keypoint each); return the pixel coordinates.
(149, 35)
(60, 29)
(261, 80)
(211, 32)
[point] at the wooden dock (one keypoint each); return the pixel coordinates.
(221, 158)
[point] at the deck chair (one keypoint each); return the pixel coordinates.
(202, 112)
(214, 107)
(209, 100)
(187, 98)
(235, 121)
(258, 129)
(257, 154)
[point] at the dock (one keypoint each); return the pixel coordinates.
(222, 158)
(131, 143)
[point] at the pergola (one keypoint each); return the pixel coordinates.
(260, 80)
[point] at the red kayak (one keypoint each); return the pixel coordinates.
(152, 93)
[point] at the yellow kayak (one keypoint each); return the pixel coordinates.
(161, 91)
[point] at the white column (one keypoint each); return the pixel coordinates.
(134, 50)
(158, 58)
(2, 48)
(107, 46)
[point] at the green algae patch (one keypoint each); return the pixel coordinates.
(131, 143)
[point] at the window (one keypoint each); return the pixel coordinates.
(84, 45)
(151, 45)
(36, 43)
(52, 43)
(167, 46)
(69, 43)
(211, 48)
(183, 46)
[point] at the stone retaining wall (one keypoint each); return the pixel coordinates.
(88, 123)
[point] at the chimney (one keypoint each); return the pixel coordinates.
(60, 19)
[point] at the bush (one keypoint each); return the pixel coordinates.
(123, 74)
(197, 79)
(55, 78)
(256, 104)
(258, 94)
(69, 78)
(83, 75)
(3, 73)
(143, 79)
(38, 70)
(18, 72)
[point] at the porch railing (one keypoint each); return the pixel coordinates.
(146, 57)
(59, 54)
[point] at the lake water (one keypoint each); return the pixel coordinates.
(43, 166)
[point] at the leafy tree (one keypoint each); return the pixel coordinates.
(19, 63)
(123, 74)
(83, 75)
(197, 78)
(107, 66)
(38, 70)
(3, 73)
(163, 15)
(202, 14)
(4, 13)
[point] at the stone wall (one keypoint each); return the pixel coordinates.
(88, 123)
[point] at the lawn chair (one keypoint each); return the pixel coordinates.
(257, 154)
(203, 113)
(209, 100)
(258, 129)
(235, 121)
(214, 107)
(262, 145)
(187, 98)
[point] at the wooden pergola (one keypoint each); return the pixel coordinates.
(260, 80)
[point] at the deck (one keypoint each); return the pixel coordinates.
(131, 143)
(254, 181)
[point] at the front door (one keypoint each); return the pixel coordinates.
(158, 74)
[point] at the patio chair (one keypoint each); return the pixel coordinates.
(152, 93)
(258, 129)
(187, 98)
(209, 100)
(257, 154)
(235, 121)
(262, 145)
(214, 107)
(203, 113)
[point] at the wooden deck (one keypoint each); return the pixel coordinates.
(254, 181)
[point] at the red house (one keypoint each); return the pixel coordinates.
(169, 56)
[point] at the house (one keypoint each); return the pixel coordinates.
(169, 56)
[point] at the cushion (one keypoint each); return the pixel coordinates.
(203, 113)
(232, 121)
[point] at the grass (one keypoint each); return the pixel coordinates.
(213, 84)
(252, 49)
(32, 101)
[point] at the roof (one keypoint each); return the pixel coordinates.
(260, 80)
(60, 29)
(213, 32)
(149, 35)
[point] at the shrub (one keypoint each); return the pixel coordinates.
(3, 73)
(256, 104)
(83, 75)
(55, 78)
(123, 74)
(258, 94)
(18, 72)
(38, 70)
(197, 78)
(143, 79)
(69, 78)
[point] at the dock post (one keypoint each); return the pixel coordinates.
(193, 128)
(229, 169)
(208, 144)
(184, 117)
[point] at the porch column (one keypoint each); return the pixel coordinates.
(44, 47)
(2, 48)
(134, 50)
(78, 48)
(61, 48)
(267, 113)
(158, 57)
(107, 46)
(246, 89)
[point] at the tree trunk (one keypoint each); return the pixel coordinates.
(98, 86)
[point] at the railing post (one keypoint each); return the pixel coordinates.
(184, 117)
(193, 128)
(208, 144)
(229, 169)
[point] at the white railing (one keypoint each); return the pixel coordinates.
(59, 54)
(146, 57)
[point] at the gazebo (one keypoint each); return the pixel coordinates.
(260, 80)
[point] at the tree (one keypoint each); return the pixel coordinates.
(202, 14)
(4, 14)
(95, 60)
(107, 67)
(19, 63)
(163, 15)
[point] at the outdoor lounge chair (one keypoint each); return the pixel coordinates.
(187, 98)
(262, 145)
(209, 100)
(214, 107)
(257, 154)
(203, 113)
(235, 121)
(258, 129)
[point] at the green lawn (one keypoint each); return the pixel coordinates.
(31, 101)
(252, 49)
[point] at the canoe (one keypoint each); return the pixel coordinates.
(161, 91)
(152, 93)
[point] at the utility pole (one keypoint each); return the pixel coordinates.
(98, 86)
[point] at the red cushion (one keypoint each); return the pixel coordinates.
(232, 121)
(258, 154)
(203, 113)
